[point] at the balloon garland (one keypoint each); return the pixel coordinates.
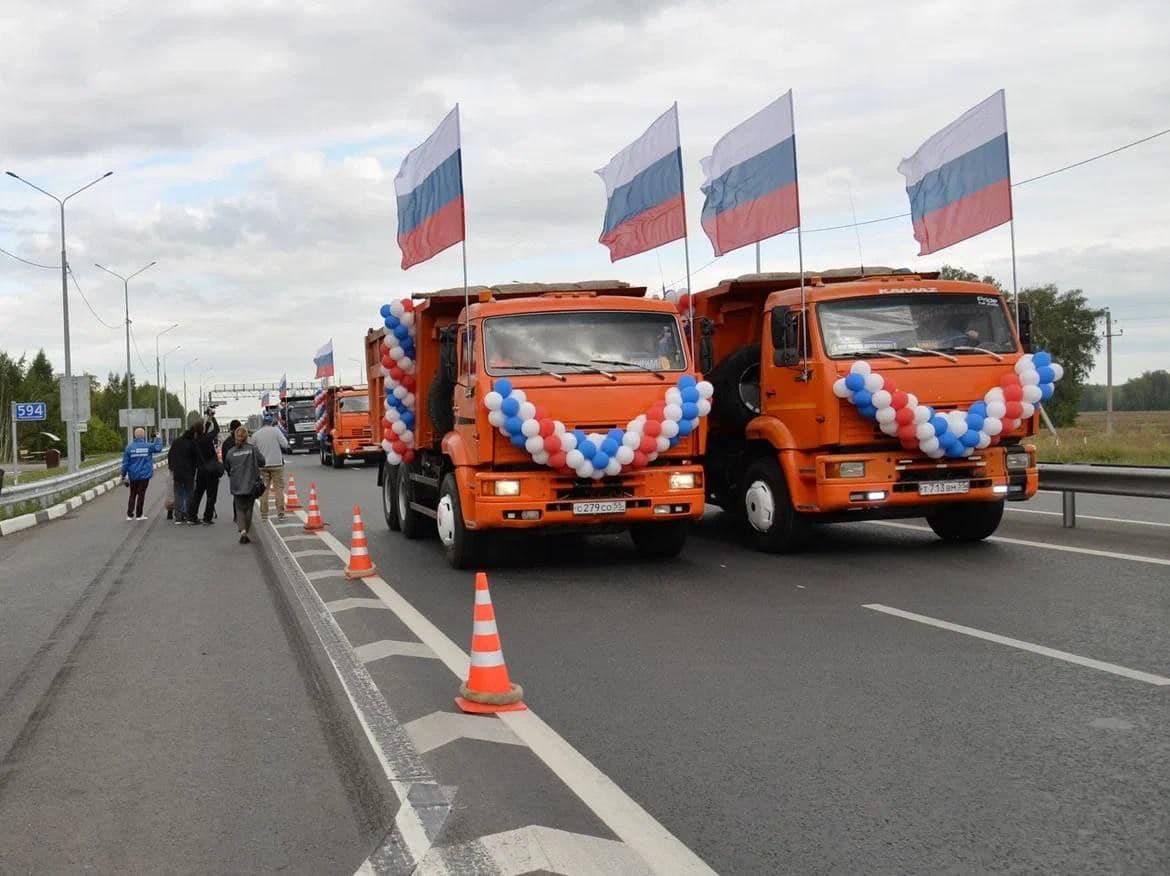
(398, 358)
(549, 442)
(319, 410)
(956, 433)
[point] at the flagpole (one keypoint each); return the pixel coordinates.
(799, 245)
(757, 256)
(686, 245)
(463, 246)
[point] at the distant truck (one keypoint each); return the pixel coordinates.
(786, 451)
(301, 424)
(348, 428)
(595, 363)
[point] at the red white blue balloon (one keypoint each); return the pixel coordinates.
(319, 411)
(398, 369)
(957, 433)
(596, 455)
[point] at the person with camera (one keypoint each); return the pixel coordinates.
(183, 463)
(207, 473)
(243, 463)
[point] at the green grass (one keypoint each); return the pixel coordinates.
(1139, 438)
(28, 476)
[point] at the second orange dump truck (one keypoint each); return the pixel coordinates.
(567, 406)
(348, 432)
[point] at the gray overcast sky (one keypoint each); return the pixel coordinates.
(254, 147)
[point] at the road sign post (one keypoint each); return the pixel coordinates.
(24, 412)
(75, 410)
(15, 453)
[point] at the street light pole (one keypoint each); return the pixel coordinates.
(185, 402)
(166, 393)
(158, 373)
(129, 379)
(72, 448)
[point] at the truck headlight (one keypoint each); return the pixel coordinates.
(682, 480)
(1019, 459)
(505, 488)
(847, 470)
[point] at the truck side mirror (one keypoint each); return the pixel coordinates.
(449, 353)
(706, 345)
(785, 336)
(1025, 327)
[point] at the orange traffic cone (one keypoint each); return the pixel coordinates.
(488, 688)
(315, 520)
(292, 502)
(360, 565)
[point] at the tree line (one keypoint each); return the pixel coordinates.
(1150, 392)
(25, 380)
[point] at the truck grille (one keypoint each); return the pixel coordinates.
(607, 488)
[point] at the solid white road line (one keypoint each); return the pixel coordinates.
(372, 651)
(1088, 517)
(438, 728)
(1065, 548)
(353, 602)
(1101, 665)
(534, 849)
(637, 828)
(311, 552)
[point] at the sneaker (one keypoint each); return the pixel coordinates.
(208, 522)
(143, 517)
(194, 521)
(178, 521)
(129, 516)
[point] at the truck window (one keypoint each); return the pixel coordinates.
(927, 320)
(642, 339)
(356, 404)
(467, 360)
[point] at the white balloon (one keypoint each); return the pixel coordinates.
(407, 319)
(1057, 371)
(585, 469)
(624, 455)
(397, 308)
(574, 459)
(632, 439)
(400, 392)
(529, 428)
(996, 409)
(957, 422)
(860, 367)
(992, 426)
(881, 399)
(535, 444)
(1028, 408)
(493, 400)
(994, 394)
(885, 415)
(396, 353)
(673, 396)
(1024, 363)
(704, 407)
(568, 442)
(613, 468)
(1032, 393)
(928, 445)
(650, 457)
(672, 412)
(924, 431)
(984, 441)
(911, 400)
(967, 451)
(936, 453)
(890, 428)
(393, 458)
(706, 390)
(874, 382)
(393, 414)
(540, 457)
(558, 427)
(1030, 378)
(527, 411)
(408, 366)
(519, 395)
(597, 474)
(921, 414)
(663, 444)
(386, 445)
(399, 426)
(496, 418)
(840, 389)
(408, 436)
(669, 428)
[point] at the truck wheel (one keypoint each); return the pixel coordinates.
(337, 459)
(774, 525)
(659, 541)
(413, 523)
(390, 497)
(737, 387)
(966, 521)
(461, 545)
(324, 461)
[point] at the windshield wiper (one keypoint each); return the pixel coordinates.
(587, 366)
(535, 368)
(893, 354)
(938, 353)
(619, 362)
(968, 349)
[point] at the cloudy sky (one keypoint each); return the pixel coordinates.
(254, 147)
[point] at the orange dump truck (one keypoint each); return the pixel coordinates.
(801, 433)
(538, 407)
(348, 430)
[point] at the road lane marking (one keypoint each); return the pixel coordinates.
(311, 552)
(305, 536)
(1101, 665)
(637, 828)
(354, 602)
(534, 849)
(1065, 548)
(372, 651)
(324, 573)
(1088, 517)
(438, 728)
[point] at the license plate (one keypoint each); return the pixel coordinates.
(306, 427)
(599, 507)
(941, 488)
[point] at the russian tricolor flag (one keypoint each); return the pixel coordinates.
(644, 191)
(750, 180)
(324, 359)
(958, 180)
(429, 186)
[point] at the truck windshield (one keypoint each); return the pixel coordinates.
(915, 323)
(301, 411)
(354, 404)
(638, 341)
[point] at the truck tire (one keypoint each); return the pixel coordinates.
(462, 546)
(324, 460)
(736, 379)
(441, 404)
(965, 521)
(659, 541)
(773, 524)
(390, 497)
(337, 460)
(412, 523)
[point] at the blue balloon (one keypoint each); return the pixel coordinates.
(684, 428)
(519, 440)
(1040, 360)
(385, 310)
(609, 446)
(939, 424)
(689, 394)
(510, 407)
(408, 418)
(854, 382)
(616, 435)
(867, 411)
(674, 441)
(512, 425)
(975, 421)
(685, 381)
(979, 409)
(402, 333)
(600, 460)
(862, 398)
(1047, 373)
(1046, 391)
(581, 439)
(970, 438)
(503, 386)
(690, 410)
(588, 449)
(954, 450)
(947, 440)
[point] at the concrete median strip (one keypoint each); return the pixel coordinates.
(1100, 665)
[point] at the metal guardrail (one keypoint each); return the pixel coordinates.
(46, 492)
(1109, 480)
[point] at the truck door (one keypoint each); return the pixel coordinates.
(465, 390)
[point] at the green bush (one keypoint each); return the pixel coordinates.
(100, 438)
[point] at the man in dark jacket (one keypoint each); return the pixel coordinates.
(137, 467)
(183, 463)
(207, 475)
(243, 463)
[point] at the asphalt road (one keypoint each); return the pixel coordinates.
(777, 714)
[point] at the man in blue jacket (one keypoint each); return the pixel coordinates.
(137, 467)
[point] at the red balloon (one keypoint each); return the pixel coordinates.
(409, 382)
(547, 427)
(556, 460)
(684, 302)
(407, 305)
(1011, 379)
(889, 386)
(640, 458)
(653, 428)
(396, 373)
(908, 432)
(399, 447)
(408, 456)
(552, 444)
(898, 399)
(905, 416)
(909, 444)
(1013, 393)
(387, 426)
(656, 411)
(1015, 410)
(1010, 425)
(995, 438)
(386, 360)
(648, 445)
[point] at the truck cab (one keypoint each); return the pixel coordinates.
(590, 358)
(301, 424)
(786, 450)
(348, 432)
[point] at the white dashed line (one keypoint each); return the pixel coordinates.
(1088, 517)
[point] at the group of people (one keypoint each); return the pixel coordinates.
(254, 465)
